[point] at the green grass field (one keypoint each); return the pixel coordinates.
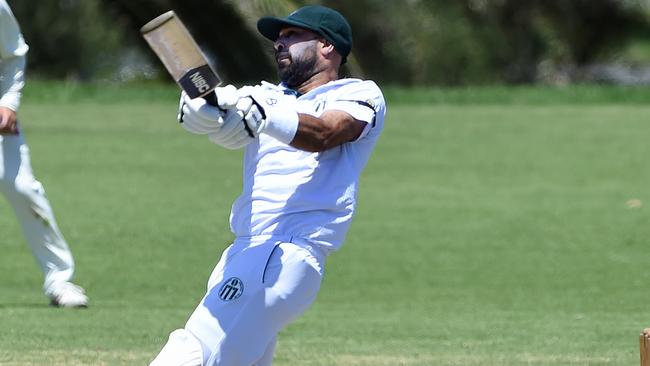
(490, 231)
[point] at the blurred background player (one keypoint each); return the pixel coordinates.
(17, 182)
(307, 141)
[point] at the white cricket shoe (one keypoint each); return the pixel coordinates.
(69, 295)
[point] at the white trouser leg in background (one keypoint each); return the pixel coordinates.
(27, 197)
(237, 321)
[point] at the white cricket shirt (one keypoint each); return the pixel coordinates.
(12, 58)
(308, 196)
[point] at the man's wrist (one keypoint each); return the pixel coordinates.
(282, 125)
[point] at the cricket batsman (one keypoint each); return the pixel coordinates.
(306, 142)
(17, 182)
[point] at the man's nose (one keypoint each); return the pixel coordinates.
(279, 45)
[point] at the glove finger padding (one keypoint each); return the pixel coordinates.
(232, 134)
(235, 142)
(197, 125)
(199, 117)
(239, 142)
(253, 117)
(227, 96)
(232, 125)
(244, 105)
(201, 109)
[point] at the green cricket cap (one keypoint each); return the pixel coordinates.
(326, 22)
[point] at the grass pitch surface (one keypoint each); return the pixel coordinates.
(490, 233)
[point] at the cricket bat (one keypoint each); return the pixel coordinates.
(173, 44)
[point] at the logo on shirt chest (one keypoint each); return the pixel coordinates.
(232, 289)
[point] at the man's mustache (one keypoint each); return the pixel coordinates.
(282, 55)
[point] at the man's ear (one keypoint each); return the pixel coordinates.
(327, 48)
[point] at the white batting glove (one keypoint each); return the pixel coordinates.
(273, 118)
(199, 117)
(227, 96)
(232, 134)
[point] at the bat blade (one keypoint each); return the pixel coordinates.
(173, 44)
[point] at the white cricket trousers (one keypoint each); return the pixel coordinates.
(258, 287)
(27, 197)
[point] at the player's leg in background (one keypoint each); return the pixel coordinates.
(27, 197)
(244, 333)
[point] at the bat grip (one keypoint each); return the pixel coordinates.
(211, 99)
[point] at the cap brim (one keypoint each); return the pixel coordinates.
(270, 27)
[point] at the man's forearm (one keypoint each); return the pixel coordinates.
(320, 134)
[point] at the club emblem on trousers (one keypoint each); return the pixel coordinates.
(231, 289)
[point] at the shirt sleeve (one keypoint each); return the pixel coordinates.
(12, 58)
(363, 101)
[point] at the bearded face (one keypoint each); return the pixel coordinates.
(297, 64)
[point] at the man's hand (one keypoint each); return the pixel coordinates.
(8, 119)
(201, 118)
(232, 134)
(275, 118)
(253, 117)
(222, 123)
(197, 116)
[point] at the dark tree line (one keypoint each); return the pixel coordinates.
(416, 42)
(218, 27)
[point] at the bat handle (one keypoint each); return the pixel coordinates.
(211, 99)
